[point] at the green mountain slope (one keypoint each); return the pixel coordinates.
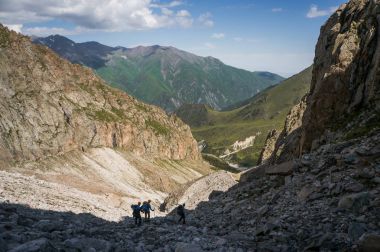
(168, 77)
(255, 116)
(165, 76)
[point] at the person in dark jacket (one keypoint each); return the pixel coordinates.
(136, 213)
(181, 213)
(146, 208)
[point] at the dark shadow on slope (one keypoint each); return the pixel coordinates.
(23, 228)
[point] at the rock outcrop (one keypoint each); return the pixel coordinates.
(286, 146)
(345, 88)
(344, 97)
(269, 147)
(49, 106)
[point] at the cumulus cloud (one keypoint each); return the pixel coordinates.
(315, 12)
(183, 18)
(277, 10)
(115, 15)
(205, 19)
(218, 35)
(238, 39)
(156, 4)
(42, 31)
(15, 27)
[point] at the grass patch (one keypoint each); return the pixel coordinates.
(4, 37)
(118, 112)
(157, 127)
(218, 163)
(141, 107)
(86, 88)
(262, 113)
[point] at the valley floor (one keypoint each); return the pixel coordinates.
(328, 200)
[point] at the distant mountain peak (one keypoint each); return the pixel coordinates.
(164, 75)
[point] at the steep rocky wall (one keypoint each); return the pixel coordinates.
(49, 106)
(346, 74)
(269, 147)
(286, 145)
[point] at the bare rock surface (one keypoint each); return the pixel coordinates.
(50, 106)
(316, 207)
(269, 147)
(345, 89)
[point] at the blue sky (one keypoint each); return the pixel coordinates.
(272, 35)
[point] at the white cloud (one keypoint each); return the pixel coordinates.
(183, 18)
(315, 12)
(238, 39)
(15, 27)
(115, 15)
(277, 10)
(167, 5)
(218, 35)
(205, 19)
(209, 45)
(46, 31)
(183, 13)
(167, 12)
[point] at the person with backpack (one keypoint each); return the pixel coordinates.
(136, 213)
(146, 208)
(181, 213)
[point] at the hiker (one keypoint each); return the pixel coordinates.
(181, 213)
(146, 208)
(136, 213)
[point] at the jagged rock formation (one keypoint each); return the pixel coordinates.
(50, 106)
(345, 89)
(286, 144)
(344, 96)
(269, 147)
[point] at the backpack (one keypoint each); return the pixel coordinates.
(136, 209)
(180, 210)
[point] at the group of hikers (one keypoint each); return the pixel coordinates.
(146, 208)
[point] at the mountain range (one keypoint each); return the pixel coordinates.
(164, 76)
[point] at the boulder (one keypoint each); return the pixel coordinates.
(283, 169)
(42, 244)
(87, 244)
(354, 201)
(369, 243)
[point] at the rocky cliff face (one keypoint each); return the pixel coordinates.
(269, 146)
(345, 88)
(285, 146)
(49, 106)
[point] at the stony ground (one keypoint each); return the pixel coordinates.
(328, 200)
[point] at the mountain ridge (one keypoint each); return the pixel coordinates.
(164, 75)
(70, 108)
